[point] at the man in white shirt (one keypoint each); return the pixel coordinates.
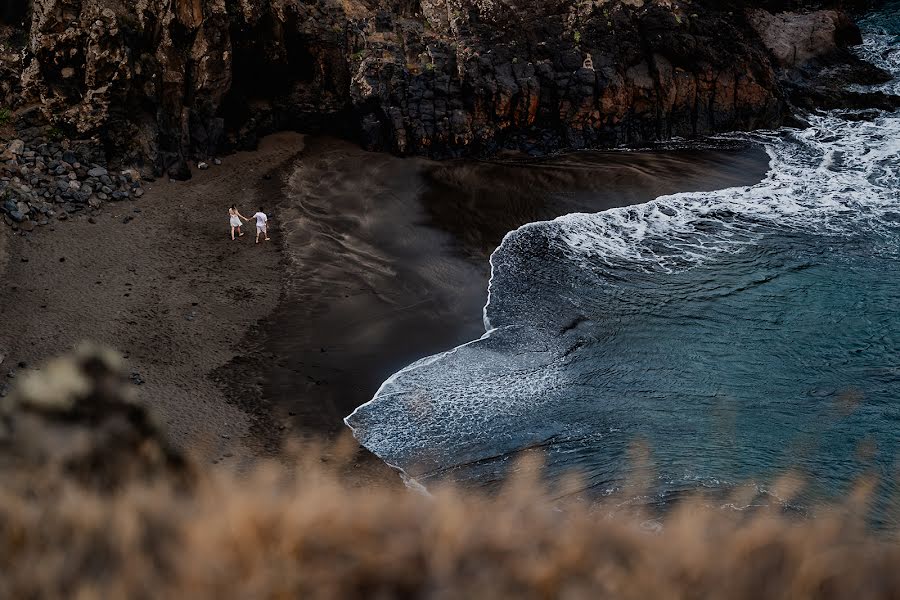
(262, 225)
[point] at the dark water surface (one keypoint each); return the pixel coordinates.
(738, 333)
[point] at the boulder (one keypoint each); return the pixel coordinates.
(796, 38)
(13, 150)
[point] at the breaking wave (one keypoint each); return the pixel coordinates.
(738, 332)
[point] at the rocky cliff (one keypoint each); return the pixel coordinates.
(158, 83)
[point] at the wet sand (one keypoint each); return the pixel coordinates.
(389, 257)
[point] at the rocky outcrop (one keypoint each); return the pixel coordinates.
(161, 82)
(43, 178)
(519, 77)
(795, 39)
(812, 58)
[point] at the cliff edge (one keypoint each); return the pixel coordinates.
(159, 83)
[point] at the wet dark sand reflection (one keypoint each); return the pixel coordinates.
(388, 256)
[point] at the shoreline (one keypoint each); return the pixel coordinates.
(376, 261)
(389, 258)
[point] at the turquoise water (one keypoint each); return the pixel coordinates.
(737, 334)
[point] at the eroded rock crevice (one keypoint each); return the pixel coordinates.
(14, 12)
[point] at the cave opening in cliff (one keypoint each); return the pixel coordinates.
(266, 76)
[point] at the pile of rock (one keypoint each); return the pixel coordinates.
(42, 180)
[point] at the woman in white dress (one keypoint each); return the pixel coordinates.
(235, 217)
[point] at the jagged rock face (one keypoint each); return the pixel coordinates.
(163, 81)
(495, 70)
(155, 79)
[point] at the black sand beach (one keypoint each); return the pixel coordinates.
(376, 261)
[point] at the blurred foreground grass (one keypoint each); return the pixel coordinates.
(95, 504)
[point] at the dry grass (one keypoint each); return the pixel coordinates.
(310, 535)
(308, 532)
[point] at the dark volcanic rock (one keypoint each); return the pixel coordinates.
(162, 82)
(814, 63)
(31, 180)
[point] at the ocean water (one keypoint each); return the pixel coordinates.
(735, 334)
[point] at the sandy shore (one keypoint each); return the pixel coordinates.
(376, 261)
(168, 289)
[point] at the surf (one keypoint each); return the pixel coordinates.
(564, 294)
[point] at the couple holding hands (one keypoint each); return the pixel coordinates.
(262, 223)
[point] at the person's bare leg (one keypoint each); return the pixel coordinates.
(232, 234)
(257, 235)
(240, 233)
(266, 231)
